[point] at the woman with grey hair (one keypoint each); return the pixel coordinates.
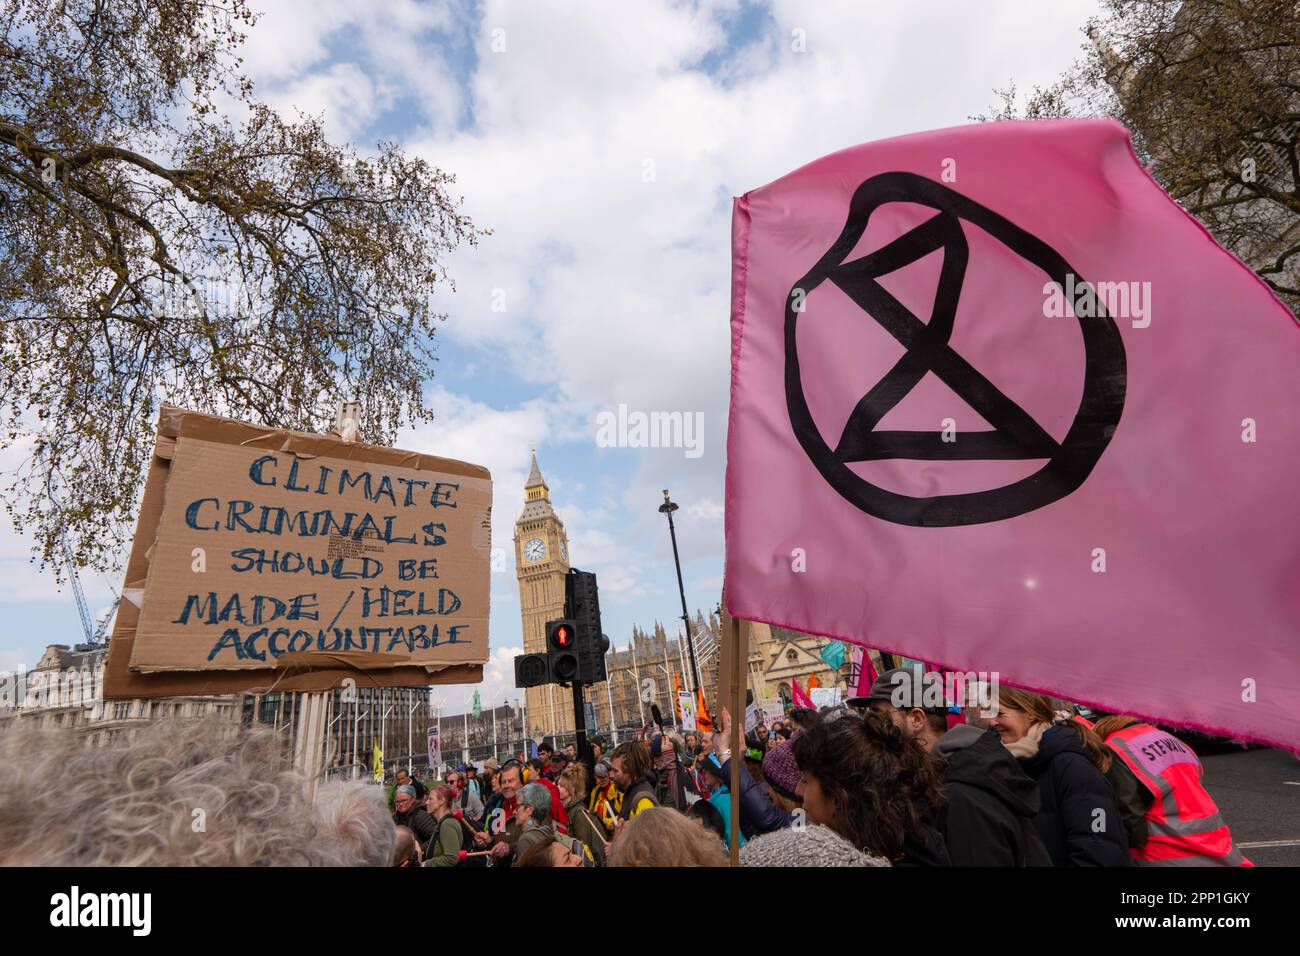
(407, 812)
(180, 793)
(533, 816)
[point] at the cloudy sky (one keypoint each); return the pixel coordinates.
(602, 142)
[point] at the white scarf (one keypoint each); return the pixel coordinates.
(1027, 745)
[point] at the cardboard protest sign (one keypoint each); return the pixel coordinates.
(245, 577)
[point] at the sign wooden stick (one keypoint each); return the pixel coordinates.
(309, 752)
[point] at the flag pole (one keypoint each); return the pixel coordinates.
(740, 635)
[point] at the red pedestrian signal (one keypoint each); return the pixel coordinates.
(561, 635)
(561, 650)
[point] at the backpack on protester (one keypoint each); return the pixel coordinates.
(466, 841)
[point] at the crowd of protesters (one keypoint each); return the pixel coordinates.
(876, 782)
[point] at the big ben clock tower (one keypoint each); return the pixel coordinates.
(541, 563)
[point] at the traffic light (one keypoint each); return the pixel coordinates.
(582, 604)
(562, 651)
(532, 670)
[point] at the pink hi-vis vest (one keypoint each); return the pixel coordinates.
(1184, 822)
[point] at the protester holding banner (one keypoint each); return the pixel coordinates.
(758, 814)
(1069, 762)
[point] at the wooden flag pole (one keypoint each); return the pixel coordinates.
(731, 697)
(740, 638)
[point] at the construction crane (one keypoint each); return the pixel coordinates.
(78, 593)
(94, 630)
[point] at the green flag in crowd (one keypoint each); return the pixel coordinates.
(833, 654)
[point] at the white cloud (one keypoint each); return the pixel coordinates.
(347, 98)
(617, 289)
(498, 685)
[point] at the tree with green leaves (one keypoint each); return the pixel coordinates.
(159, 246)
(1211, 92)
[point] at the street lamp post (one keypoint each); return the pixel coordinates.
(668, 507)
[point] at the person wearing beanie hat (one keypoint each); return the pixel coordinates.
(805, 846)
(782, 775)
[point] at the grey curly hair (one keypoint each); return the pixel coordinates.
(538, 799)
(178, 793)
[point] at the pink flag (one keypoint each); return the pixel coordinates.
(799, 697)
(998, 402)
(866, 674)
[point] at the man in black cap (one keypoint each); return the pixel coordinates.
(991, 803)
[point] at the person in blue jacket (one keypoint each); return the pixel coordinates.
(720, 794)
(758, 814)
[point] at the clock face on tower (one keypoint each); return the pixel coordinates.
(535, 549)
(564, 551)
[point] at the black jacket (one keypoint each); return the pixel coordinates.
(422, 825)
(988, 819)
(642, 788)
(929, 850)
(1075, 798)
